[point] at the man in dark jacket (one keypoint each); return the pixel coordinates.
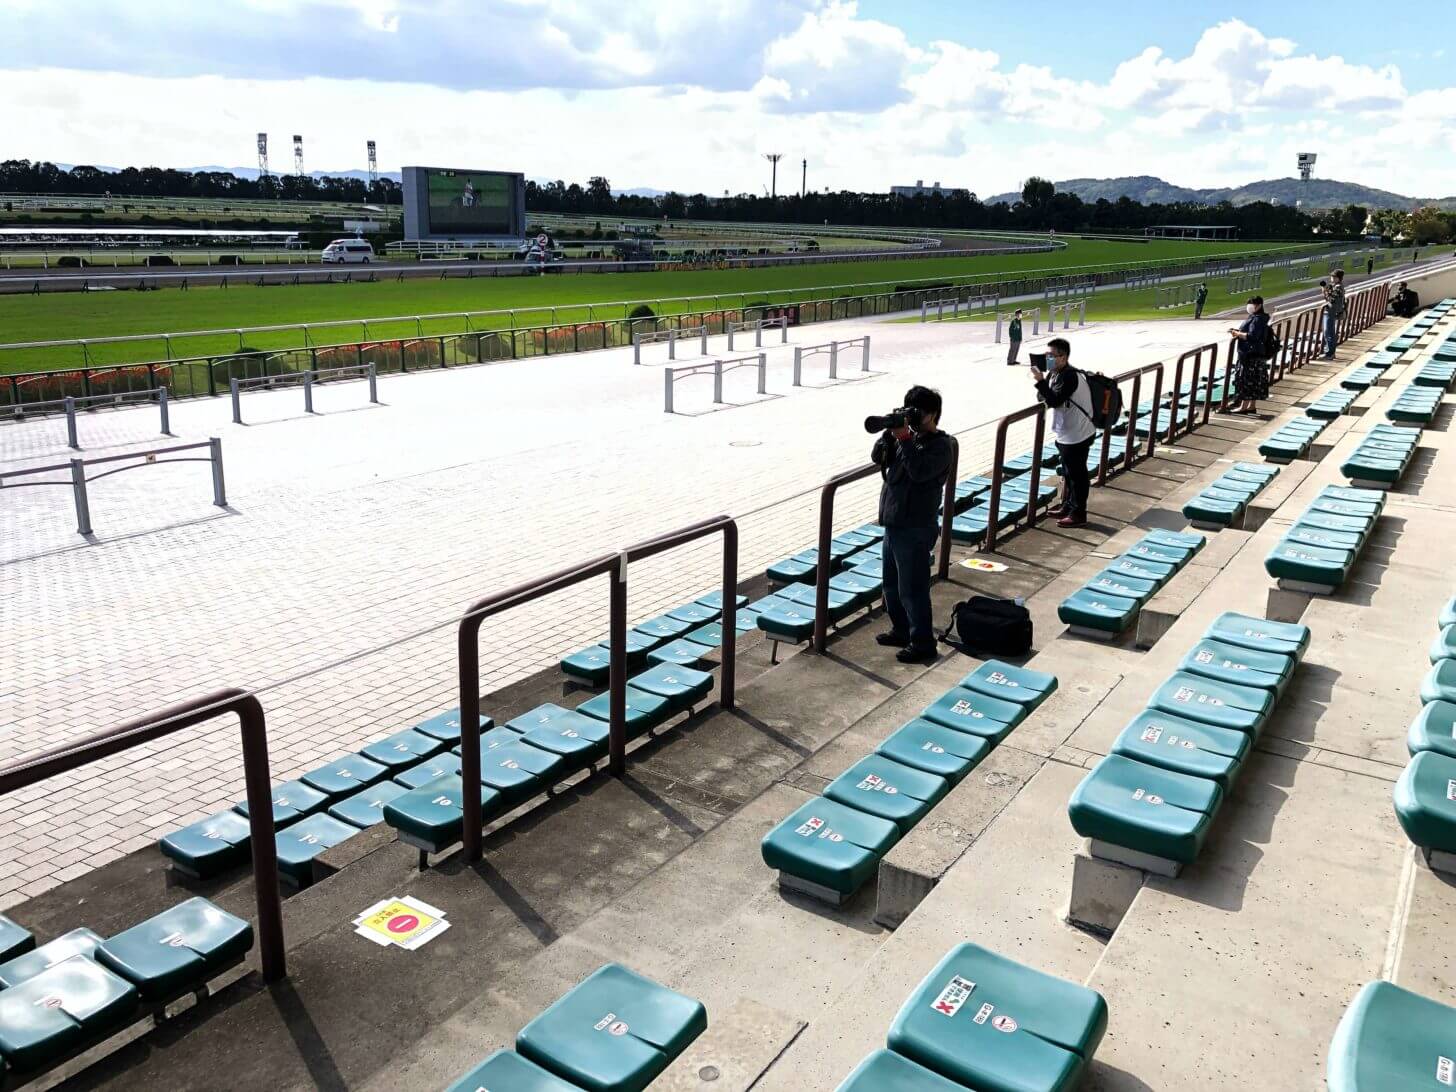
(913, 464)
(1405, 303)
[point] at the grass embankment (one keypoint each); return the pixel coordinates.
(537, 300)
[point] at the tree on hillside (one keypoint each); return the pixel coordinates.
(1354, 217)
(1392, 223)
(1427, 225)
(599, 194)
(1036, 192)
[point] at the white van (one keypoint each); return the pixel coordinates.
(348, 250)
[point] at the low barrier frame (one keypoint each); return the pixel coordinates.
(833, 348)
(308, 379)
(758, 326)
(673, 335)
(716, 368)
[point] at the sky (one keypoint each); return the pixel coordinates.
(690, 94)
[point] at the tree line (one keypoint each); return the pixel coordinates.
(25, 176)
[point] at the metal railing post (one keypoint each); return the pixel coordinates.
(763, 373)
(865, 361)
(731, 331)
(834, 360)
(703, 342)
(78, 494)
(672, 344)
(784, 330)
(237, 404)
(798, 365)
(308, 391)
(757, 334)
(374, 380)
(666, 390)
(998, 328)
(617, 676)
(947, 507)
(71, 440)
(1082, 313)
(219, 487)
(1035, 321)
(636, 347)
(162, 405)
(717, 382)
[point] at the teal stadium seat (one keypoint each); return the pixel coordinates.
(829, 845)
(615, 1031)
(931, 748)
(15, 939)
(60, 1009)
(366, 807)
(1155, 812)
(429, 818)
(1184, 746)
(1224, 705)
(1260, 634)
(1391, 1038)
(299, 844)
(881, 787)
(177, 949)
(1425, 801)
(78, 942)
(1433, 729)
(431, 769)
(1443, 645)
(1440, 682)
(1005, 682)
(292, 800)
(404, 749)
(580, 740)
(509, 1072)
(975, 713)
(446, 726)
(209, 846)
(345, 776)
(1229, 663)
(995, 1025)
(886, 1071)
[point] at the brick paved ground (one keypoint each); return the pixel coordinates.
(355, 537)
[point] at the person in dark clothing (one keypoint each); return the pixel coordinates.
(1014, 336)
(1200, 297)
(1251, 380)
(1369, 266)
(1070, 400)
(1405, 303)
(913, 466)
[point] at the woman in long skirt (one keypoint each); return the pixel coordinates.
(1251, 377)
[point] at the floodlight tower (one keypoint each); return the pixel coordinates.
(1306, 165)
(804, 177)
(774, 157)
(373, 164)
(297, 154)
(262, 155)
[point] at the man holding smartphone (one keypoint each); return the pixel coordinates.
(1067, 395)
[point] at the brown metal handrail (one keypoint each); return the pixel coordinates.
(1196, 355)
(826, 534)
(31, 769)
(1130, 457)
(998, 471)
(614, 565)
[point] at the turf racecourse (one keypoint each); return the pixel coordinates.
(102, 314)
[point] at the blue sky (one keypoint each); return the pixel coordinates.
(688, 94)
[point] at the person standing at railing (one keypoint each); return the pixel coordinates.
(1200, 297)
(1014, 336)
(1334, 293)
(1069, 398)
(914, 460)
(1251, 378)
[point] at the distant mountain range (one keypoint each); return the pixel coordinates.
(1317, 193)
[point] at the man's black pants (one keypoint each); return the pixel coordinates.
(1075, 480)
(905, 565)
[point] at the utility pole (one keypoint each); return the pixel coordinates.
(774, 157)
(804, 180)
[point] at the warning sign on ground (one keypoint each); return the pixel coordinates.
(404, 922)
(983, 566)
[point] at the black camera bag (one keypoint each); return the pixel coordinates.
(983, 624)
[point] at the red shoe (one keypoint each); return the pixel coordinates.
(1072, 521)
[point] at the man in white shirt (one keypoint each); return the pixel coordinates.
(1066, 394)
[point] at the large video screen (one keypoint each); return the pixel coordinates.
(469, 202)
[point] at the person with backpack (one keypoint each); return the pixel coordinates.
(1251, 377)
(1334, 293)
(1067, 394)
(1014, 336)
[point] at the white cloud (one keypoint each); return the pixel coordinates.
(835, 61)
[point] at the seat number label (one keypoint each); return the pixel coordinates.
(1445, 1070)
(983, 1014)
(1204, 657)
(1151, 734)
(953, 996)
(1451, 790)
(963, 709)
(932, 748)
(815, 825)
(1147, 797)
(874, 783)
(1001, 680)
(609, 1023)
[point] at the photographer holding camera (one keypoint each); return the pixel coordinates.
(914, 457)
(1068, 396)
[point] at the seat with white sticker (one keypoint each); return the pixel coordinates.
(888, 789)
(990, 1023)
(209, 846)
(47, 1017)
(886, 1071)
(827, 848)
(1318, 551)
(1142, 814)
(507, 1070)
(1390, 1038)
(1425, 804)
(177, 949)
(299, 844)
(615, 1031)
(1106, 605)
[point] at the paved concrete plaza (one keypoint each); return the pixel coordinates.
(354, 538)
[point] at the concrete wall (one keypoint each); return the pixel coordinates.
(1433, 286)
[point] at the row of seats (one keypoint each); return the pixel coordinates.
(833, 844)
(1013, 503)
(1416, 405)
(1425, 793)
(1317, 552)
(1390, 1038)
(984, 1022)
(1159, 788)
(77, 990)
(1331, 404)
(1222, 503)
(685, 635)
(1108, 604)
(1362, 379)
(615, 1031)
(845, 551)
(1291, 440)
(1381, 458)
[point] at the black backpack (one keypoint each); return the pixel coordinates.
(1106, 397)
(1272, 344)
(999, 626)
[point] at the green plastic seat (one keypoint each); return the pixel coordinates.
(78, 942)
(1433, 729)
(644, 711)
(292, 800)
(695, 614)
(431, 769)
(1149, 571)
(1439, 683)
(970, 526)
(663, 628)
(1224, 662)
(829, 844)
(801, 566)
(578, 739)
(592, 665)
(1108, 582)
(1190, 541)
(1089, 609)
(882, 787)
(968, 711)
(995, 1025)
(864, 589)
(344, 776)
(1224, 705)
(507, 1071)
(1145, 808)
(1329, 521)
(1447, 617)
(1366, 510)
(405, 748)
(711, 635)
(682, 686)
(429, 817)
(713, 600)
(299, 844)
(886, 1071)
(1152, 551)
(1183, 746)
(208, 846)
(1312, 568)
(541, 716)
(789, 621)
(613, 1032)
(1443, 645)
(1425, 801)
(931, 748)
(366, 807)
(636, 643)
(15, 939)
(179, 949)
(519, 771)
(1260, 634)
(446, 726)
(1322, 538)
(57, 1010)
(682, 652)
(1208, 510)
(1007, 682)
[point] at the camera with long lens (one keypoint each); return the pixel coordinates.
(903, 417)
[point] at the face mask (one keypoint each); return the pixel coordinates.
(1250, 308)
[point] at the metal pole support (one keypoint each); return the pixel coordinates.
(998, 327)
(308, 391)
(834, 360)
(763, 373)
(71, 440)
(922, 309)
(757, 334)
(1035, 321)
(672, 345)
(730, 335)
(865, 361)
(1082, 313)
(636, 348)
(219, 487)
(798, 366)
(162, 406)
(666, 390)
(717, 382)
(373, 383)
(237, 403)
(703, 342)
(78, 492)
(784, 330)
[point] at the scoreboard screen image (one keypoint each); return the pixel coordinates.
(463, 204)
